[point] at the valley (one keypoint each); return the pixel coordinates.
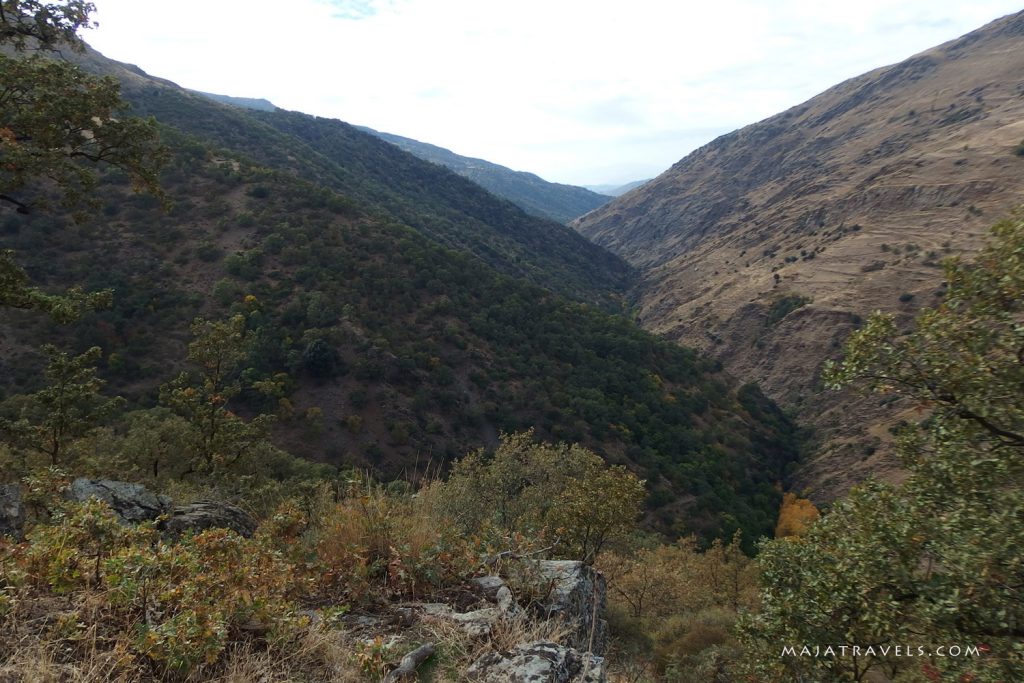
(284, 399)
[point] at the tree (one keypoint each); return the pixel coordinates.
(57, 123)
(795, 515)
(44, 24)
(529, 487)
(17, 291)
(936, 561)
(219, 439)
(55, 116)
(68, 408)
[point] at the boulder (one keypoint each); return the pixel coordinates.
(12, 511)
(197, 517)
(541, 662)
(578, 595)
(133, 503)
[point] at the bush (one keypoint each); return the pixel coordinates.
(537, 489)
(783, 306)
(176, 605)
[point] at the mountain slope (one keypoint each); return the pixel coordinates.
(435, 201)
(398, 322)
(530, 192)
(766, 245)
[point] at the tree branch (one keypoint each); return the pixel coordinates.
(22, 208)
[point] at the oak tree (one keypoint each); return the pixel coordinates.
(936, 561)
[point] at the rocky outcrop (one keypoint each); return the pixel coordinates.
(12, 511)
(541, 662)
(133, 503)
(197, 517)
(578, 596)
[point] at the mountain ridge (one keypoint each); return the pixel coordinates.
(836, 206)
(529, 191)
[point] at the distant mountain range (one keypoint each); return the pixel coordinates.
(616, 190)
(767, 246)
(530, 192)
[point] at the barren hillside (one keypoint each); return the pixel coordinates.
(766, 246)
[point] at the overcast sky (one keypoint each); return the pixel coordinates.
(577, 91)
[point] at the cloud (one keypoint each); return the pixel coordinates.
(353, 9)
(566, 89)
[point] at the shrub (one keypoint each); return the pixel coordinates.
(783, 306)
(539, 489)
(177, 605)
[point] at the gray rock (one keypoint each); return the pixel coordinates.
(494, 589)
(577, 595)
(204, 515)
(479, 623)
(488, 586)
(12, 511)
(541, 662)
(133, 503)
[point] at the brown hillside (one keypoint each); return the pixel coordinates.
(851, 200)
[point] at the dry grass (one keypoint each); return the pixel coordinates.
(317, 656)
(457, 650)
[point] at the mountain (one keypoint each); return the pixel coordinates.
(435, 201)
(617, 190)
(259, 104)
(532, 193)
(766, 246)
(402, 316)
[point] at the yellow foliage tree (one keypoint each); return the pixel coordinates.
(795, 515)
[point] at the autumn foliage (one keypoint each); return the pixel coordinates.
(795, 515)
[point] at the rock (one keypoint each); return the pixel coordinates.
(578, 596)
(12, 511)
(133, 503)
(506, 602)
(488, 586)
(494, 589)
(479, 623)
(476, 624)
(540, 662)
(197, 517)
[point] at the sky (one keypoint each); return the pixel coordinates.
(576, 91)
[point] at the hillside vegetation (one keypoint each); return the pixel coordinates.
(326, 321)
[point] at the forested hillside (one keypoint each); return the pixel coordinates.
(398, 313)
(439, 203)
(272, 409)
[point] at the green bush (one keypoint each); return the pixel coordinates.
(537, 489)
